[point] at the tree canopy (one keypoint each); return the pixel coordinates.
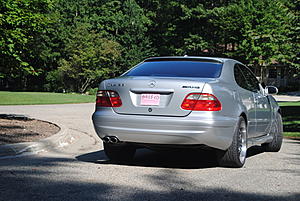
(70, 45)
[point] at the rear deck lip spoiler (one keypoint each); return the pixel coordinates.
(189, 58)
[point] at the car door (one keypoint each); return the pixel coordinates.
(247, 98)
(262, 106)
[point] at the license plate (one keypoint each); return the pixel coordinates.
(150, 99)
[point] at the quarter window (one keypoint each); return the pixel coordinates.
(245, 78)
(239, 78)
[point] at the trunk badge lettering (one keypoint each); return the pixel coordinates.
(191, 87)
(115, 85)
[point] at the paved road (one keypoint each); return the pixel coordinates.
(82, 172)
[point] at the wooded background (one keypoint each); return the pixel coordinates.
(71, 45)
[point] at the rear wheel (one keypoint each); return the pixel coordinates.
(117, 152)
(235, 155)
(276, 131)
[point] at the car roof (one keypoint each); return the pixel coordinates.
(207, 59)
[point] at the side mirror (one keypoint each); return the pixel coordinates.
(271, 90)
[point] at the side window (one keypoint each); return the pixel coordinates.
(239, 78)
(252, 82)
(245, 78)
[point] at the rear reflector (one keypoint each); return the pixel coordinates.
(201, 102)
(107, 98)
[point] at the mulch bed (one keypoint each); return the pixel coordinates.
(16, 129)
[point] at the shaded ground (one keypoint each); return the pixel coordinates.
(24, 130)
(151, 176)
(81, 171)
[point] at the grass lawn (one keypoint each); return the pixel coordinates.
(291, 126)
(296, 103)
(291, 118)
(34, 98)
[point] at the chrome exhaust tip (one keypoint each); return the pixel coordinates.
(110, 139)
(106, 139)
(114, 139)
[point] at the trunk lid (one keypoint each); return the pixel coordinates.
(153, 95)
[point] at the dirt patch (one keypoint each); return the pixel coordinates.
(24, 130)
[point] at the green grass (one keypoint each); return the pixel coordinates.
(292, 134)
(291, 119)
(35, 98)
(296, 103)
(291, 126)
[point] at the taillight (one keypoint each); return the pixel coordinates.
(201, 102)
(107, 98)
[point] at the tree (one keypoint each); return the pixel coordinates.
(121, 25)
(265, 32)
(125, 22)
(90, 58)
(294, 34)
(71, 45)
(21, 22)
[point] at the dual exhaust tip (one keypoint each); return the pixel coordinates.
(110, 139)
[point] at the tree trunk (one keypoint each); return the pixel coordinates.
(85, 85)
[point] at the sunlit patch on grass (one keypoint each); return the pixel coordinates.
(34, 98)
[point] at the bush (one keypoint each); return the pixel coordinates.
(54, 82)
(92, 91)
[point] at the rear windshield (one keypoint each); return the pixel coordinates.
(177, 69)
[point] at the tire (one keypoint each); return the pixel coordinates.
(235, 155)
(277, 130)
(119, 153)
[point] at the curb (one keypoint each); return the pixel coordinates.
(58, 140)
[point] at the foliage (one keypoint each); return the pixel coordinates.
(21, 22)
(294, 33)
(265, 29)
(70, 45)
(89, 57)
(126, 23)
(92, 91)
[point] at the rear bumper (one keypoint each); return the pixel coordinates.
(206, 128)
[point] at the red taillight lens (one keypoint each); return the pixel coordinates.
(201, 102)
(107, 98)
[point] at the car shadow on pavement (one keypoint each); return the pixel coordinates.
(182, 159)
(255, 150)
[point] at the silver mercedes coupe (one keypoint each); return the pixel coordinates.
(187, 102)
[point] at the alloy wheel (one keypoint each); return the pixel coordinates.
(242, 142)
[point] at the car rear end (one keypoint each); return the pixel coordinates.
(165, 102)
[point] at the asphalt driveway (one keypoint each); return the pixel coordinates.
(81, 171)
